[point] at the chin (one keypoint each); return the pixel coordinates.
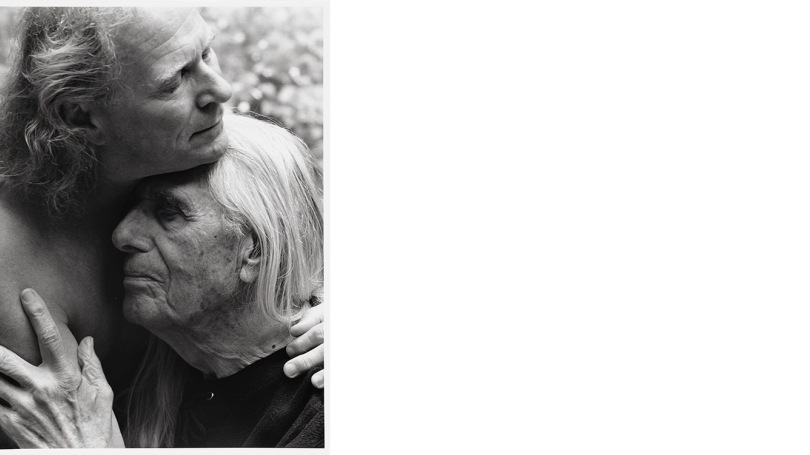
(129, 312)
(135, 309)
(210, 145)
(201, 156)
(218, 147)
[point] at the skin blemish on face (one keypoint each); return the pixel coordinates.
(190, 255)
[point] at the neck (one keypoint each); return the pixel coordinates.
(222, 345)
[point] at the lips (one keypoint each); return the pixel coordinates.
(209, 128)
(218, 119)
(136, 273)
(136, 281)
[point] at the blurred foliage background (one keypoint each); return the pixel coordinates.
(272, 56)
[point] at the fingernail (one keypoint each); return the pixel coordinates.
(318, 381)
(289, 370)
(28, 295)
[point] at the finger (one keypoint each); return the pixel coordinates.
(91, 365)
(16, 368)
(306, 342)
(8, 417)
(311, 317)
(51, 346)
(18, 431)
(317, 379)
(304, 362)
(10, 394)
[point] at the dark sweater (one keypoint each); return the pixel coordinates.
(256, 407)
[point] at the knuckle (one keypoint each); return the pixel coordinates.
(307, 361)
(69, 382)
(107, 394)
(50, 391)
(9, 420)
(50, 335)
(318, 312)
(6, 359)
(306, 313)
(8, 364)
(317, 333)
(67, 378)
(309, 317)
(23, 410)
(317, 355)
(105, 391)
(37, 309)
(43, 395)
(295, 347)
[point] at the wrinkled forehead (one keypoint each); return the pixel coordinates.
(192, 180)
(150, 28)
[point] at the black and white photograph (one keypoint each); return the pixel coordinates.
(162, 226)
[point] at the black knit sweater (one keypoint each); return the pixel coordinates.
(256, 407)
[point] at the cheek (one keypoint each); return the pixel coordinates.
(137, 114)
(160, 122)
(208, 274)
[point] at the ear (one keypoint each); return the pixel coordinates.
(249, 256)
(83, 116)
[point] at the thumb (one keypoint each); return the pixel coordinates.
(89, 362)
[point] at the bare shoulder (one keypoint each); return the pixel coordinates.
(19, 265)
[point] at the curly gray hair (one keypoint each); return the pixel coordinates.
(63, 56)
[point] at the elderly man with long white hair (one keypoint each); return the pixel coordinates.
(220, 261)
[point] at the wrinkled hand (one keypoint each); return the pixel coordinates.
(307, 349)
(56, 404)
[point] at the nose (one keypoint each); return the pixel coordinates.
(128, 237)
(214, 89)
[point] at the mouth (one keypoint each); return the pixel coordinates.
(135, 279)
(139, 284)
(209, 128)
(132, 274)
(213, 129)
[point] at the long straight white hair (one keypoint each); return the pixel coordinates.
(267, 185)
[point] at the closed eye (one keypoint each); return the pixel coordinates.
(168, 215)
(168, 208)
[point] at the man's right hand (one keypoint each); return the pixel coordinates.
(60, 403)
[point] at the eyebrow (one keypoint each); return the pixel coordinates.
(168, 200)
(167, 78)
